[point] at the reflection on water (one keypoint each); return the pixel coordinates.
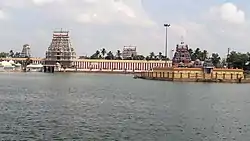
(116, 107)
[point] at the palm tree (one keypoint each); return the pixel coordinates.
(140, 57)
(152, 55)
(204, 55)
(109, 56)
(103, 51)
(215, 59)
(118, 54)
(160, 55)
(96, 55)
(196, 54)
(17, 55)
(11, 54)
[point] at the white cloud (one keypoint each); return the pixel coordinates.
(229, 12)
(111, 11)
(2, 15)
(44, 2)
(223, 26)
(115, 23)
(98, 11)
(89, 11)
(120, 22)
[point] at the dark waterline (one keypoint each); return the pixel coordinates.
(117, 107)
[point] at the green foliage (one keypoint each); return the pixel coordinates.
(216, 59)
(238, 60)
(118, 55)
(198, 54)
(4, 55)
(110, 56)
(103, 52)
(96, 55)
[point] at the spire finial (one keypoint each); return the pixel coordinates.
(182, 40)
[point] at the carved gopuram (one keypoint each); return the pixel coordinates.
(181, 57)
(60, 51)
(26, 51)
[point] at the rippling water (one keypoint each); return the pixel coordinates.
(116, 107)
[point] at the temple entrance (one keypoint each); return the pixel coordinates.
(208, 70)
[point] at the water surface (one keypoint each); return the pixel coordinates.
(38, 106)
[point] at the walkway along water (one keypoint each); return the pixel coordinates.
(219, 75)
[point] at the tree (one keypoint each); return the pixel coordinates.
(11, 53)
(160, 55)
(237, 60)
(17, 55)
(96, 55)
(196, 53)
(151, 55)
(4, 55)
(103, 52)
(215, 59)
(139, 57)
(204, 55)
(110, 56)
(118, 55)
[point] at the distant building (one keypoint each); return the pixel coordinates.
(25, 51)
(129, 51)
(182, 55)
(60, 50)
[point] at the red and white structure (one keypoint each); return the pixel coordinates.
(130, 65)
(119, 65)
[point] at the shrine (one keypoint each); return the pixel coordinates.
(182, 56)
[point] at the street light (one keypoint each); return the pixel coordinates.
(166, 49)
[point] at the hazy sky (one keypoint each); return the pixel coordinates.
(214, 25)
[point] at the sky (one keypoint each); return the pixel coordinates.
(214, 25)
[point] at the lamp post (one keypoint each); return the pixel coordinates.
(166, 45)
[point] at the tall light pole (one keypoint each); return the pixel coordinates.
(166, 45)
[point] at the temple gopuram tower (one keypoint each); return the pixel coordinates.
(60, 50)
(182, 56)
(26, 51)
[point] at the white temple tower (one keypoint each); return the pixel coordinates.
(26, 51)
(60, 50)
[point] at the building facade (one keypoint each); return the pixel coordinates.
(120, 65)
(129, 65)
(129, 51)
(60, 50)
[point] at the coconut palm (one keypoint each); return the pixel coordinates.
(109, 56)
(152, 55)
(118, 54)
(96, 55)
(160, 55)
(103, 52)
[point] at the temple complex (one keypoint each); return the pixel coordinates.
(60, 50)
(181, 57)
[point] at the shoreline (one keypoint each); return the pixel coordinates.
(80, 71)
(197, 80)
